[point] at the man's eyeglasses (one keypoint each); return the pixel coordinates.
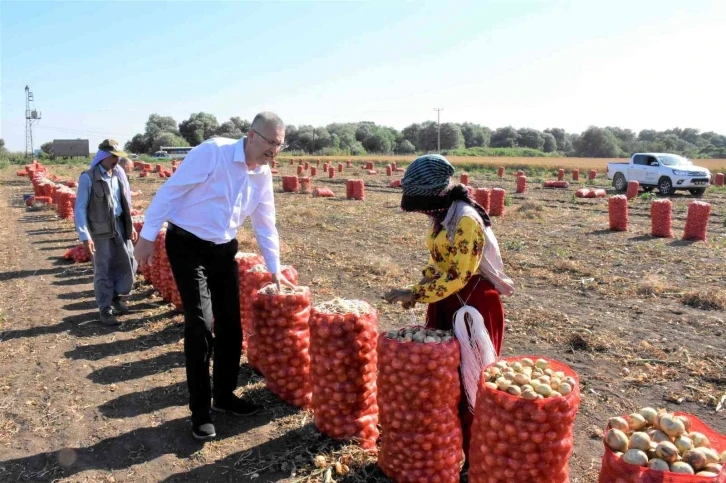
(272, 143)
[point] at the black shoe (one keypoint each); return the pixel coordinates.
(235, 405)
(202, 427)
(119, 307)
(108, 318)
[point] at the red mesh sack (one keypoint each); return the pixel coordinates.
(325, 167)
(518, 174)
(253, 280)
(496, 203)
(555, 184)
(464, 179)
(633, 188)
(618, 213)
(697, 221)
(78, 254)
(521, 184)
(419, 395)
(372, 171)
(282, 338)
(143, 174)
(43, 199)
(292, 161)
(305, 186)
(481, 196)
(306, 166)
(575, 175)
(471, 191)
(592, 174)
(394, 166)
(343, 358)
(340, 167)
(389, 170)
(300, 161)
(21, 172)
(560, 174)
(598, 193)
(582, 193)
(290, 184)
(323, 193)
(355, 189)
(515, 439)
(660, 219)
(719, 179)
(331, 172)
(313, 170)
(615, 470)
(30, 200)
(396, 183)
(500, 171)
(245, 261)
(299, 170)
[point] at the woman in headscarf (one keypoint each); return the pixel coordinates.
(465, 266)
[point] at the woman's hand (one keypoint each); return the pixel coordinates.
(403, 295)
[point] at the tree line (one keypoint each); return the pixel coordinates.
(366, 137)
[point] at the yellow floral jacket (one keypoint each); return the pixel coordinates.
(451, 266)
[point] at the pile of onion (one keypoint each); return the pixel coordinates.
(420, 334)
(528, 379)
(663, 441)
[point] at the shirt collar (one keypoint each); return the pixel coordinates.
(239, 157)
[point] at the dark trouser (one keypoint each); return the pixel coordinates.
(206, 275)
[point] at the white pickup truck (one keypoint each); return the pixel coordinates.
(667, 172)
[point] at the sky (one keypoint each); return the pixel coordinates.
(97, 69)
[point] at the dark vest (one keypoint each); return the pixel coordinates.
(101, 220)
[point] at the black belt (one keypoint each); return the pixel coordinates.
(172, 228)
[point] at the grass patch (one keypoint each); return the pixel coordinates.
(707, 299)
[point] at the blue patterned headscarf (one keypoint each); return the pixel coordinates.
(428, 175)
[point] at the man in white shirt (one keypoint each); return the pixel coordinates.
(218, 185)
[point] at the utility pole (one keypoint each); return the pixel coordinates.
(312, 150)
(31, 116)
(438, 126)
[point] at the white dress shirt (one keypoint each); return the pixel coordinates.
(212, 193)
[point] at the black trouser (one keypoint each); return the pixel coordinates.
(206, 275)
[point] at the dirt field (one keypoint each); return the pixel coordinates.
(640, 319)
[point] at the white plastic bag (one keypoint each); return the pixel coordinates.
(477, 350)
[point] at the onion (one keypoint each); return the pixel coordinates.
(649, 414)
(618, 423)
(710, 454)
(616, 440)
(683, 443)
(559, 375)
(635, 457)
(526, 362)
(686, 423)
(658, 465)
(707, 474)
(636, 422)
(695, 458)
(529, 395)
(491, 386)
(521, 379)
(555, 383)
(672, 426)
(682, 468)
(514, 391)
(699, 440)
(571, 381)
(640, 441)
(722, 459)
(517, 366)
(713, 467)
(667, 451)
(503, 384)
(544, 390)
(541, 364)
(565, 389)
(659, 436)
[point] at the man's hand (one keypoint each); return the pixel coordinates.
(144, 251)
(279, 280)
(90, 247)
(403, 295)
(134, 236)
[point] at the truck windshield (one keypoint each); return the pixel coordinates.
(674, 160)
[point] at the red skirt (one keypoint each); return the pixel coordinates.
(484, 298)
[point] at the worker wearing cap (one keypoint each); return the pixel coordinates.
(103, 222)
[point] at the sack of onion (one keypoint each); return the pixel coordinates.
(657, 446)
(282, 336)
(343, 360)
(523, 421)
(419, 395)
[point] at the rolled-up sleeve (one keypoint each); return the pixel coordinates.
(196, 168)
(264, 225)
(80, 210)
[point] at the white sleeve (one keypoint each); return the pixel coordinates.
(264, 226)
(196, 168)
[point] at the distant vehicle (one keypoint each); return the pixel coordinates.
(667, 172)
(133, 156)
(68, 148)
(161, 155)
(177, 152)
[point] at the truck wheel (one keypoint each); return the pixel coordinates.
(619, 182)
(665, 186)
(697, 192)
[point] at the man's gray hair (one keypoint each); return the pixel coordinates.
(267, 118)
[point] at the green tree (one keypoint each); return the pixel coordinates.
(564, 141)
(167, 139)
(138, 144)
(45, 147)
(451, 136)
(157, 124)
(199, 127)
(504, 137)
(405, 147)
(597, 142)
(2, 145)
(412, 133)
(550, 143)
(530, 138)
(475, 135)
